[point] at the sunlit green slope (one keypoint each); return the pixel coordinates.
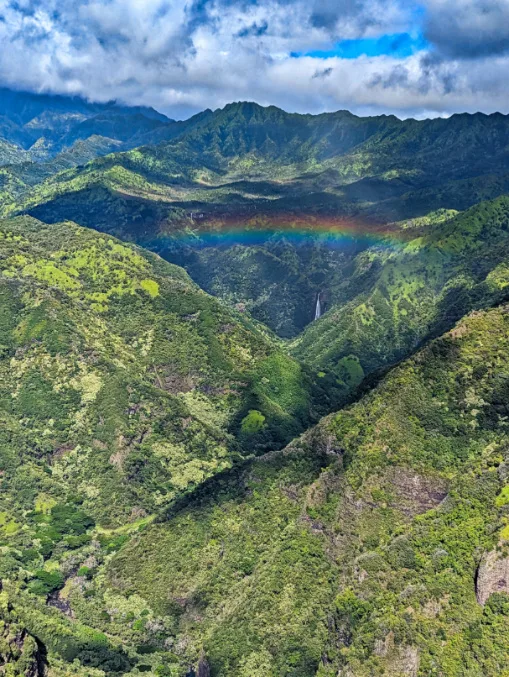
(123, 376)
(123, 386)
(355, 550)
(142, 530)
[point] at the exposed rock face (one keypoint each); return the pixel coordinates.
(409, 661)
(203, 668)
(321, 440)
(383, 646)
(404, 662)
(57, 600)
(21, 651)
(416, 493)
(492, 576)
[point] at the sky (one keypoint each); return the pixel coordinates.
(421, 59)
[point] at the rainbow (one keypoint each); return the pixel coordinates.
(329, 232)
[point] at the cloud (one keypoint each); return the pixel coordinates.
(468, 28)
(182, 56)
(322, 73)
(357, 18)
(254, 29)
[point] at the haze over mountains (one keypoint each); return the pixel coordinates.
(198, 475)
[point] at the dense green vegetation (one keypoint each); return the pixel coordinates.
(129, 544)
(252, 168)
(107, 347)
(41, 135)
(166, 506)
(123, 387)
(398, 295)
(356, 549)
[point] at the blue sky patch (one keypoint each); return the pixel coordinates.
(399, 45)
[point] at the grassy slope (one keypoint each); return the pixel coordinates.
(116, 367)
(355, 550)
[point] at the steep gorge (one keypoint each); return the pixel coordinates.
(173, 501)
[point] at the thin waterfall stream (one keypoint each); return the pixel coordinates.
(318, 307)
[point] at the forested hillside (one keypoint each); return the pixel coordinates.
(254, 376)
(399, 295)
(115, 364)
(286, 177)
(370, 546)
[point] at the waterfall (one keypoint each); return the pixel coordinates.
(318, 308)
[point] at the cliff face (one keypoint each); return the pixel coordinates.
(20, 652)
(493, 574)
(203, 667)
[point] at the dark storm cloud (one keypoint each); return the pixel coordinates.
(327, 14)
(397, 77)
(323, 73)
(253, 30)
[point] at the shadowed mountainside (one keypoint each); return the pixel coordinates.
(251, 169)
(152, 520)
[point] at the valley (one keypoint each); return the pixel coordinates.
(253, 393)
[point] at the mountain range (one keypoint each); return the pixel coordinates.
(254, 392)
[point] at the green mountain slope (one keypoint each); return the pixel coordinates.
(251, 168)
(44, 124)
(155, 517)
(116, 367)
(350, 158)
(123, 386)
(10, 153)
(400, 295)
(355, 551)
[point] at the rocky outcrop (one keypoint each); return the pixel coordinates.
(203, 668)
(22, 652)
(402, 661)
(320, 439)
(492, 576)
(415, 493)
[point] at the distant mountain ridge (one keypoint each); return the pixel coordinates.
(247, 167)
(44, 124)
(53, 122)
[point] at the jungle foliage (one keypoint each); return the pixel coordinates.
(355, 550)
(168, 506)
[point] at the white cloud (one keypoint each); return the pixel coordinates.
(182, 57)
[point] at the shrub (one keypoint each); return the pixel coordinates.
(46, 582)
(253, 422)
